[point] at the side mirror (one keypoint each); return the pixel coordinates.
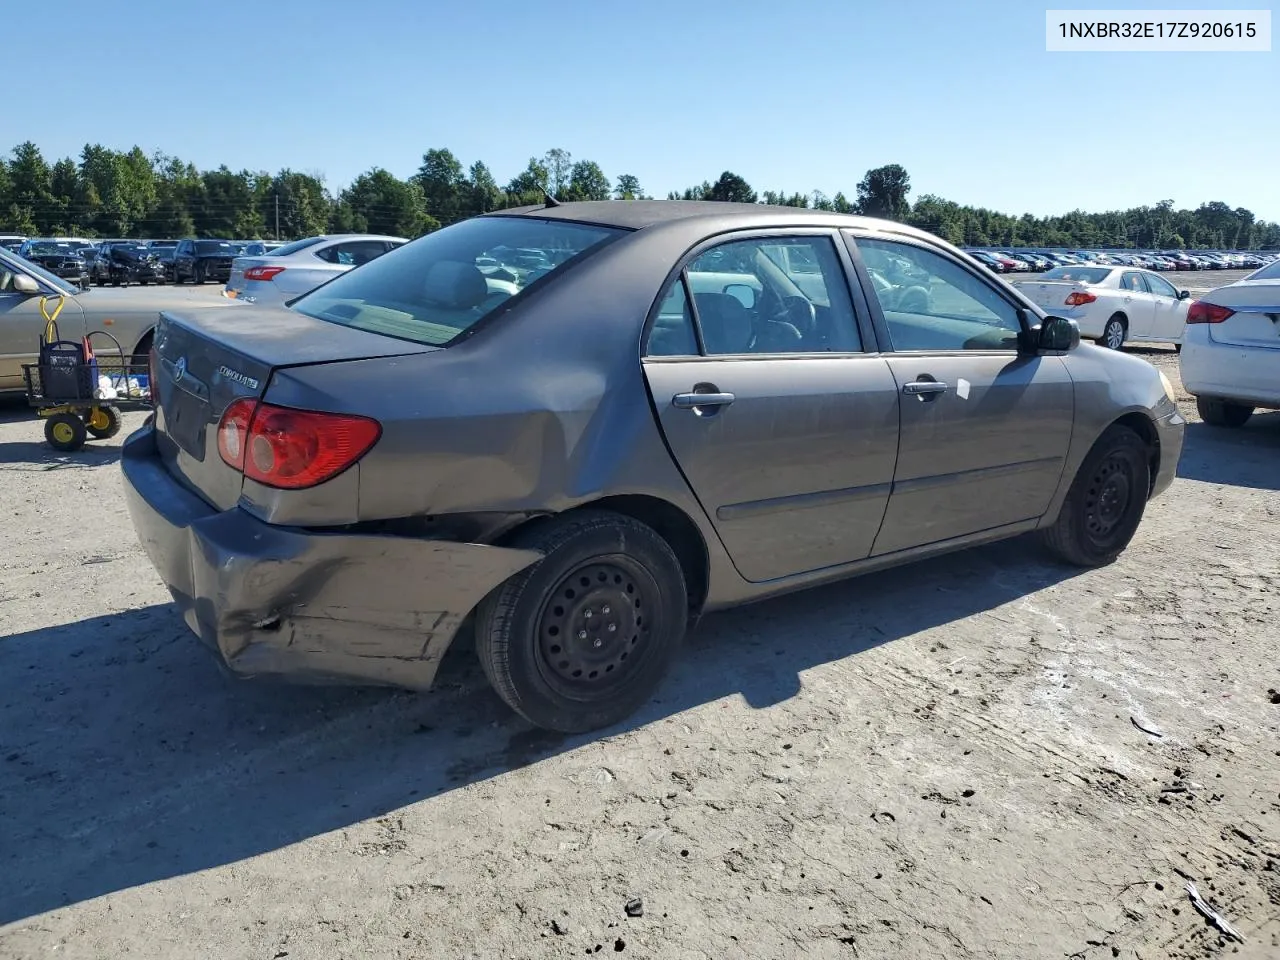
(25, 285)
(1183, 294)
(1058, 334)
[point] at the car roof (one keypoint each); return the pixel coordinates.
(638, 214)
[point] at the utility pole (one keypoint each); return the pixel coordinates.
(277, 214)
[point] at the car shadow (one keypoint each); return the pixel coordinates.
(126, 757)
(40, 457)
(1247, 456)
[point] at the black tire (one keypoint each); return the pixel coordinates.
(1223, 413)
(65, 432)
(111, 426)
(1115, 332)
(563, 665)
(1105, 503)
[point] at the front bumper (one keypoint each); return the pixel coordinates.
(1169, 433)
(295, 603)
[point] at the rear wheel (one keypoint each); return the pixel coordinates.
(1105, 503)
(65, 432)
(581, 639)
(103, 422)
(1114, 332)
(1223, 413)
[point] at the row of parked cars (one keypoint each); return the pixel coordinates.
(1034, 261)
(121, 262)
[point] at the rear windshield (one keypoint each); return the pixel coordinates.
(1270, 272)
(294, 247)
(441, 285)
(1081, 274)
(215, 246)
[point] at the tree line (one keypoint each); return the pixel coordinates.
(107, 192)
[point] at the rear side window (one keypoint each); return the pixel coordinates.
(439, 286)
(352, 253)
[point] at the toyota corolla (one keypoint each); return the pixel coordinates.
(581, 426)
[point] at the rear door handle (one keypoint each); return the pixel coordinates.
(924, 388)
(691, 401)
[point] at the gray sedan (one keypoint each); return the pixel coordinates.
(659, 409)
(272, 277)
(129, 316)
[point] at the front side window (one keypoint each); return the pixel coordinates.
(1161, 287)
(931, 302)
(438, 287)
(767, 295)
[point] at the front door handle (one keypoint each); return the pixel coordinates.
(924, 389)
(692, 401)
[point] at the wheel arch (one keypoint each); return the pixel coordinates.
(671, 523)
(1145, 428)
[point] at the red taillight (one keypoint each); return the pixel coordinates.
(1201, 312)
(262, 273)
(1079, 298)
(291, 449)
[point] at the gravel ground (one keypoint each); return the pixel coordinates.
(984, 755)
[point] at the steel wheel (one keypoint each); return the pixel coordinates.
(1107, 500)
(592, 632)
(580, 639)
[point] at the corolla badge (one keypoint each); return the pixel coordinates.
(179, 369)
(235, 376)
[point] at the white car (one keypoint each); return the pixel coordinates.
(1112, 304)
(1231, 354)
(303, 265)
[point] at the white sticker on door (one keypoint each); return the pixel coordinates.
(962, 388)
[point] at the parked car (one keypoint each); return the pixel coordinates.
(11, 241)
(201, 260)
(121, 263)
(259, 248)
(1112, 304)
(1231, 354)
(988, 261)
(60, 257)
(302, 265)
(1011, 263)
(575, 464)
(129, 316)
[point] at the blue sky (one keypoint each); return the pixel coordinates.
(797, 96)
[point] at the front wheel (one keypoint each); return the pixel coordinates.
(1223, 413)
(65, 432)
(1105, 503)
(581, 639)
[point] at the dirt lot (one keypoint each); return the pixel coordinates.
(986, 755)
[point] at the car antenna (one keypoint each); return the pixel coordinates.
(551, 201)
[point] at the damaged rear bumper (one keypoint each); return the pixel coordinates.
(296, 603)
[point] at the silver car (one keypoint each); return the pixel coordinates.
(124, 317)
(291, 270)
(662, 408)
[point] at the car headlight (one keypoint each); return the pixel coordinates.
(1168, 387)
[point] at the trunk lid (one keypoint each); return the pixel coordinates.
(208, 357)
(235, 283)
(1256, 321)
(1049, 295)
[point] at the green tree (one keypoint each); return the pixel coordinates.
(443, 184)
(883, 192)
(380, 203)
(559, 165)
(731, 187)
(628, 188)
(302, 202)
(30, 190)
(587, 182)
(483, 191)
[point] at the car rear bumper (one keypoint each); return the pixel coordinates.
(1227, 371)
(301, 604)
(261, 292)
